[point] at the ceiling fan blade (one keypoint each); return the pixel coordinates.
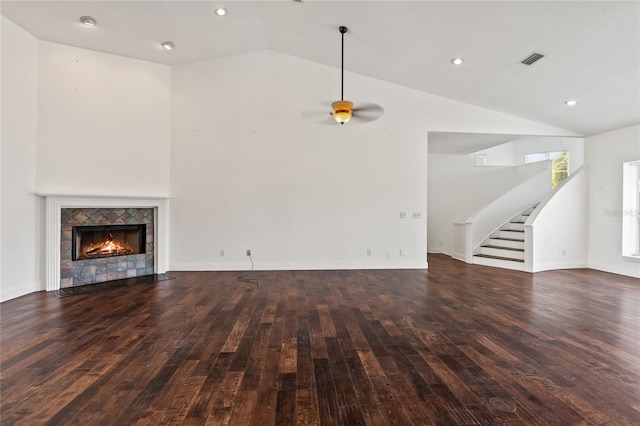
(357, 120)
(367, 112)
(319, 116)
(364, 112)
(367, 106)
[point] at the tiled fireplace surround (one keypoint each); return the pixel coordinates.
(90, 271)
(64, 212)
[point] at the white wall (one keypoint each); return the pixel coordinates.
(575, 146)
(501, 155)
(74, 122)
(558, 234)
(249, 173)
(513, 153)
(103, 123)
(246, 170)
(457, 189)
(604, 154)
(21, 228)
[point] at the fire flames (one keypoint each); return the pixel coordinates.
(110, 247)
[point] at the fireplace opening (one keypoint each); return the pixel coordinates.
(95, 242)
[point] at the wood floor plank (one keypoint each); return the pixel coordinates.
(286, 400)
(256, 359)
(387, 395)
(306, 397)
(346, 399)
(329, 410)
(375, 347)
(243, 408)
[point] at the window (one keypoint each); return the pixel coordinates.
(631, 209)
(540, 156)
(559, 164)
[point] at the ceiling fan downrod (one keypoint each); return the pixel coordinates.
(342, 110)
(343, 30)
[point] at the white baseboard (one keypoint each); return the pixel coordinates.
(629, 272)
(209, 266)
(294, 266)
(437, 251)
(452, 255)
(539, 267)
(8, 293)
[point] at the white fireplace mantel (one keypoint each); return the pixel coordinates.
(55, 204)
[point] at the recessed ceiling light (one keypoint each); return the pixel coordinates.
(167, 45)
(88, 21)
(570, 102)
(457, 61)
(221, 11)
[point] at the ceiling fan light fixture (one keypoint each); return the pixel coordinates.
(342, 111)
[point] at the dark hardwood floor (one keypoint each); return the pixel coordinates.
(453, 345)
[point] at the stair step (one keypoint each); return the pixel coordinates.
(488, 256)
(497, 262)
(506, 243)
(511, 253)
(513, 226)
(504, 248)
(506, 233)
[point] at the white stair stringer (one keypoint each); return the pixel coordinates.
(505, 248)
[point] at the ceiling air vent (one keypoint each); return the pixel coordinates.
(534, 57)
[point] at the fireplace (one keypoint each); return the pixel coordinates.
(63, 212)
(105, 244)
(95, 242)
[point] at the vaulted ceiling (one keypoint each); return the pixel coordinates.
(591, 49)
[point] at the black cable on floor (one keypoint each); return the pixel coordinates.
(245, 278)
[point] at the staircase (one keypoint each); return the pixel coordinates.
(505, 248)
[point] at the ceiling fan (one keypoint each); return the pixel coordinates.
(343, 111)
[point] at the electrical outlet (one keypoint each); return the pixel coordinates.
(248, 252)
(222, 253)
(389, 254)
(401, 252)
(368, 252)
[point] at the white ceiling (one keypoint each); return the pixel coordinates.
(591, 49)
